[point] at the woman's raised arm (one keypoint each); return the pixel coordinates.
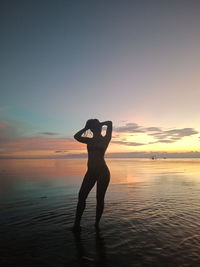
(109, 129)
(78, 136)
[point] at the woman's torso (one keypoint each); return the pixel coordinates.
(96, 151)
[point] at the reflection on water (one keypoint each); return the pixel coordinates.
(85, 257)
(151, 218)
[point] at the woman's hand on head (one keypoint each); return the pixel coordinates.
(106, 123)
(86, 126)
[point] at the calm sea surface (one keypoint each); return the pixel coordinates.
(151, 217)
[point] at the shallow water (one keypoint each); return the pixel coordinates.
(151, 217)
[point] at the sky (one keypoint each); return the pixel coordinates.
(136, 63)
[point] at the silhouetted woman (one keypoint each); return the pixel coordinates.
(97, 169)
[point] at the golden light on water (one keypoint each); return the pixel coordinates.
(122, 170)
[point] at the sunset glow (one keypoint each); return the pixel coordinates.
(137, 65)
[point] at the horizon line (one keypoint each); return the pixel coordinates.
(154, 155)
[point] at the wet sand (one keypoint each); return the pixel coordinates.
(151, 217)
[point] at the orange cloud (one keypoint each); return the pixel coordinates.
(3, 125)
(13, 143)
(40, 145)
(130, 137)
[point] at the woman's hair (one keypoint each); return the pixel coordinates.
(92, 124)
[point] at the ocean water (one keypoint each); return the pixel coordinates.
(151, 216)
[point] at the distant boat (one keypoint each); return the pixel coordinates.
(155, 157)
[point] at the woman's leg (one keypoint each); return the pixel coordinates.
(87, 185)
(102, 185)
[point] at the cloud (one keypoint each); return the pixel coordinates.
(160, 135)
(35, 143)
(129, 128)
(152, 129)
(48, 133)
(165, 141)
(132, 127)
(12, 141)
(173, 135)
(126, 143)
